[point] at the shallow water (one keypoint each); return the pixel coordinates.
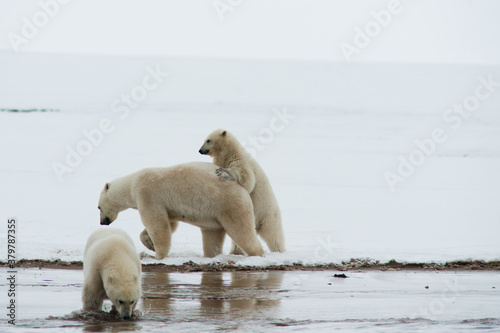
(49, 301)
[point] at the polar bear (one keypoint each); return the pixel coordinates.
(191, 193)
(112, 269)
(235, 163)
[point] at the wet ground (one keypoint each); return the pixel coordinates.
(48, 300)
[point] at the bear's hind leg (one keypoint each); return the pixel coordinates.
(213, 241)
(235, 249)
(271, 231)
(173, 225)
(240, 226)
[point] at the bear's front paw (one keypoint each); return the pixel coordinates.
(157, 257)
(149, 244)
(144, 255)
(146, 240)
(222, 174)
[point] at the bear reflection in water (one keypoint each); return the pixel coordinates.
(215, 294)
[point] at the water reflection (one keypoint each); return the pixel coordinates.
(210, 294)
(108, 326)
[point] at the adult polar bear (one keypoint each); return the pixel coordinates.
(235, 163)
(191, 193)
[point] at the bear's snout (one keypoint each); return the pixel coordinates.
(106, 221)
(126, 316)
(203, 151)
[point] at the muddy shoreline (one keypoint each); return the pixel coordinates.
(354, 264)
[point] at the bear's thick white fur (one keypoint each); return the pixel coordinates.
(112, 269)
(237, 164)
(191, 193)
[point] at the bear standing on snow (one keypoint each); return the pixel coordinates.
(235, 163)
(112, 269)
(191, 193)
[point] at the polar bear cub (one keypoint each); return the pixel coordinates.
(236, 164)
(112, 269)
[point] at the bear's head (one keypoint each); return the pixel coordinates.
(123, 293)
(214, 143)
(109, 208)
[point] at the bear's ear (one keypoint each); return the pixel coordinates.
(106, 187)
(224, 133)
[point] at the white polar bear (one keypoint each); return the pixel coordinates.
(235, 163)
(191, 193)
(112, 269)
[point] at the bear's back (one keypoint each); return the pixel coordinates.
(192, 182)
(109, 246)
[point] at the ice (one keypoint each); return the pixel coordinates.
(326, 169)
(328, 133)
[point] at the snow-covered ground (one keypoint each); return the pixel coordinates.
(327, 166)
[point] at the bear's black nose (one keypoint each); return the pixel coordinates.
(203, 152)
(126, 316)
(106, 221)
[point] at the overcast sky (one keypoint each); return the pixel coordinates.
(442, 31)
